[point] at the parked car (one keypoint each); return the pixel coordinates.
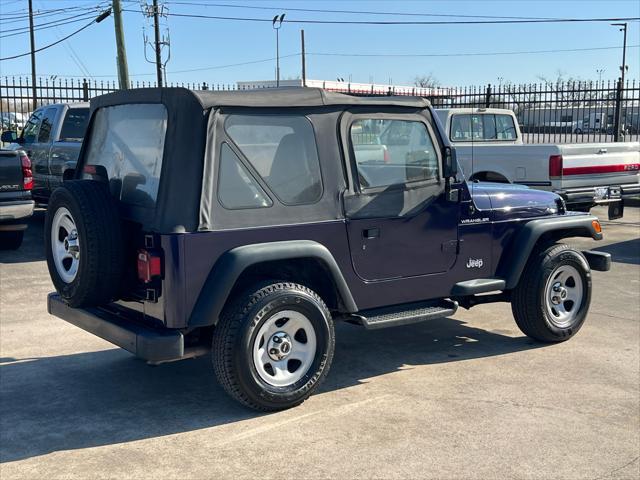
(16, 205)
(243, 224)
(490, 148)
(52, 138)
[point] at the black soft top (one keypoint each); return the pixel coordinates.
(190, 140)
(266, 97)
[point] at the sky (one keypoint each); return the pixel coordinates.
(208, 50)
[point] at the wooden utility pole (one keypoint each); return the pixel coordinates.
(156, 29)
(33, 58)
(304, 64)
(123, 71)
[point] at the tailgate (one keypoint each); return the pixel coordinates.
(10, 172)
(600, 164)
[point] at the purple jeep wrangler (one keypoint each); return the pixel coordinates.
(243, 224)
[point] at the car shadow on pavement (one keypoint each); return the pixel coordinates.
(108, 397)
(32, 248)
(623, 252)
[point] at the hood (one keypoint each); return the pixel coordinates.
(509, 201)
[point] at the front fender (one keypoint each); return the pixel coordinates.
(515, 257)
(229, 267)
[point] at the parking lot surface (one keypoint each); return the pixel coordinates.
(468, 397)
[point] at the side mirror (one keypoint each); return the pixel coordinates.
(9, 136)
(450, 163)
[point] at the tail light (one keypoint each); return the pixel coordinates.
(149, 266)
(555, 167)
(387, 157)
(27, 173)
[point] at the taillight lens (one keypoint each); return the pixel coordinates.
(555, 167)
(149, 266)
(27, 173)
(386, 157)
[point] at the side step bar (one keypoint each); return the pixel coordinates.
(405, 314)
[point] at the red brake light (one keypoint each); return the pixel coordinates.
(27, 173)
(555, 167)
(149, 266)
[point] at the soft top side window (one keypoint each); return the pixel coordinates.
(397, 152)
(283, 151)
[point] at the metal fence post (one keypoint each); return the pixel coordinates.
(488, 96)
(617, 116)
(85, 90)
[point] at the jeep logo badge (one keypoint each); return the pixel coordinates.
(475, 263)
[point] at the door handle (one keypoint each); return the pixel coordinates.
(602, 151)
(371, 233)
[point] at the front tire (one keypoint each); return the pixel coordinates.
(273, 346)
(551, 300)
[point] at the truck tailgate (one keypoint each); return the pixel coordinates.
(593, 164)
(10, 172)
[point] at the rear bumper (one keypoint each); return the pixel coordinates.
(599, 195)
(146, 342)
(12, 213)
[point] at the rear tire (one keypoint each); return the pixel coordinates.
(11, 240)
(83, 243)
(551, 300)
(248, 350)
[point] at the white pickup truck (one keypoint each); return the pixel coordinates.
(489, 147)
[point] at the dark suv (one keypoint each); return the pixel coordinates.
(245, 223)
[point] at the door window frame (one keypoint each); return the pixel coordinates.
(346, 122)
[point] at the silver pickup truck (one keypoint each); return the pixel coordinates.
(489, 147)
(52, 138)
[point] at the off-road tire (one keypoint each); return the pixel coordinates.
(528, 298)
(235, 333)
(11, 240)
(101, 260)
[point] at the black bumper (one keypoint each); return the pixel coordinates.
(148, 343)
(600, 261)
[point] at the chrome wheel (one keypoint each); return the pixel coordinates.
(563, 295)
(284, 348)
(65, 245)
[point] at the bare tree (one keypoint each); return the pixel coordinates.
(426, 81)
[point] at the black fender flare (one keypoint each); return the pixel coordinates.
(226, 271)
(516, 255)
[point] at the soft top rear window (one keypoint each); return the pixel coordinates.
(128, 142)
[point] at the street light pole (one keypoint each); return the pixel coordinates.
(277, 23)
(619, 90)
(33, 58)
(600, 71)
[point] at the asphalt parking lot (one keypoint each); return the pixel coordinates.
(468, 397)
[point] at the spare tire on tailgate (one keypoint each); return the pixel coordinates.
(84, 243)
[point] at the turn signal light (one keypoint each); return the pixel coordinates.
(596, 226)
(149, 266)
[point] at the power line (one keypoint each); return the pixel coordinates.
(4, 18)
(40, 25)
(461, 54)
(54, 43)
(393, 22)
(355, 12)
(53, 25)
